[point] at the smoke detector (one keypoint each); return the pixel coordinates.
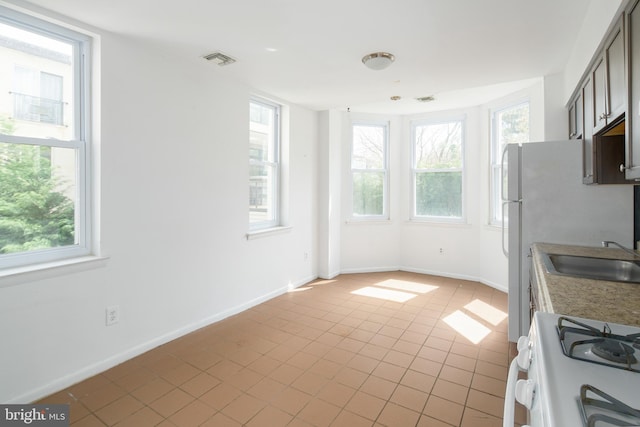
(219, 58)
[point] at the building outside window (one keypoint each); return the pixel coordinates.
(37, 96)
(437, 170)
(264, 164)
(509, 125)
(44, 150)
(369, 173)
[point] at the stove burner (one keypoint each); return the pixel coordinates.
(614, 351)
(584, 342)
(603, 409)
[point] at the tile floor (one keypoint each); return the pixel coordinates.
(374, 349)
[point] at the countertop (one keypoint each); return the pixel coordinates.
(614, 302)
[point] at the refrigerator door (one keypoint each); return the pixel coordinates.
(512, 206)
(557, 208)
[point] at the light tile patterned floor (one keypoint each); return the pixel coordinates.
(375, 349)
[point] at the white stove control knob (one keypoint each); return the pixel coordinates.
(524, 353)
(523, 342)
(525, 391)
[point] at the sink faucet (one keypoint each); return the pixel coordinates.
(606, 243)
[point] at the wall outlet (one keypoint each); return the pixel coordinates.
(441, 251)
(112, 315)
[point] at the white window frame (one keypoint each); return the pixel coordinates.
(276, 164)
(414, 172)
(384, 170)
(80, 142)
(496, 174)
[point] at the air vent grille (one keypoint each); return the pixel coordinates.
(426, 98)
(219, 58)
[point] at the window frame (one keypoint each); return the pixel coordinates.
(385, 215)
(80, 141)
(275, 164)
(496, 148)
(414, 171)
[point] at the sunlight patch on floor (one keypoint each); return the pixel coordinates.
(404, 285)
(388, 294)
(466, 326)
(486, 311)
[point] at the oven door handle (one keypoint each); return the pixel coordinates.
(508, 419)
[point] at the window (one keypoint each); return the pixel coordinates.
(509, 126)
(44, 150)
(264, 165)
(437, 157)
(369, 171)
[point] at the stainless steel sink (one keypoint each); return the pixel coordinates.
(617, 270)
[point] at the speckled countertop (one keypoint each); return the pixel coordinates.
(614, 302)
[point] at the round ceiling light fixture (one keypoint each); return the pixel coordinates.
(378, 60)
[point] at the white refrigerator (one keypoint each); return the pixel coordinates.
(547, 202)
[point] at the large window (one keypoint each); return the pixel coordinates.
(44, 150)
(437, 157)
(369, 171)
(510, 125)
(264, 165)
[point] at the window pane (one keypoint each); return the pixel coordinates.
(261, 190)
(438, 146)
(439, 194)
(37, 197)
(368, 147)
(513, 126)
(368, 193)
(36, 91)
(262, 137)
(263, 165)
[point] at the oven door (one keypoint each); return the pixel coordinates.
(519, 390)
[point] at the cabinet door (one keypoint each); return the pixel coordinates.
(575, 117)
(579, 116)
(572, 121)
(616, 88)
(599, 95)
(587, 135)
(632, 159)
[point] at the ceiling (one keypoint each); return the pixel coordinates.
(463, 52)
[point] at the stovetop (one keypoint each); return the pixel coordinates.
(560, 378)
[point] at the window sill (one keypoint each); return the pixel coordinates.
(16, 275)
(257, 234)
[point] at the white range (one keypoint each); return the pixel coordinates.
(580, 372)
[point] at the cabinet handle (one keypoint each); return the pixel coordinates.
(602, 117)
(622, 167)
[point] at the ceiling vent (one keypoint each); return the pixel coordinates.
(219, 58)
(426, 98)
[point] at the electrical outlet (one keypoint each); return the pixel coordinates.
(112, 315)
(441, 251)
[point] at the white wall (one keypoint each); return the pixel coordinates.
(174, 215)
(596, 24)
